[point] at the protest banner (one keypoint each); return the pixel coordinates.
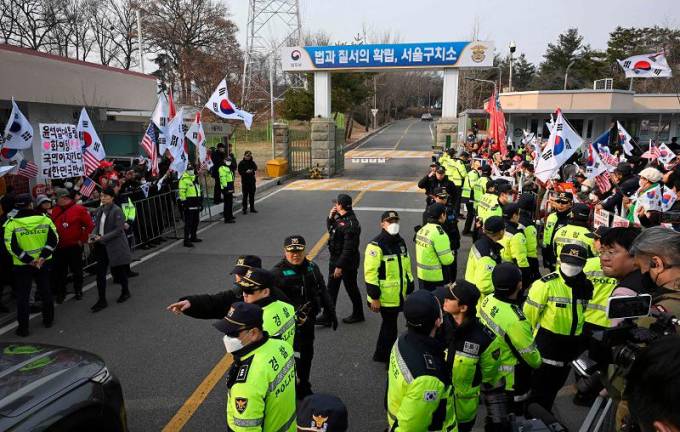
(619, 222)
(601, 218)
(62, 156)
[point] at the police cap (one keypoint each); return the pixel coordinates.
(244, 262)
(389, 215)
(598, 233)
(574, 254)
(241, 316)
(294, 243)
(255, 279)
(580, 212)
(527, 201)
(22, 200)
(505, 277)
(435, 210)
(564, 197)
(494, 225)
(345, 201)
(440, 169)
(421, 310)
(440, 192)
(465, 292)
(322, 413)
(510, 209)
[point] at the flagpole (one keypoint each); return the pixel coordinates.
(630, 88)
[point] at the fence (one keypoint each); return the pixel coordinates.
(339, 151)
(299, 150)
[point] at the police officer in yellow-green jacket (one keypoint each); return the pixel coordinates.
(514, 243)
(499, 193)
(419, 389)
(261, 380)
(191, 201)
(226, 176)
(30, 238)
(433, 249)
(474, 351)
(467, 195)
(501, 312)
(484, 255)
(576, 232)
(479, 187)
(556, 308)
(527, 205)
(456, 172)
(388, 277)
(562, 203)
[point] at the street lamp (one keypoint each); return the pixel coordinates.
(566, 73)
(513, 48)
(495, 88)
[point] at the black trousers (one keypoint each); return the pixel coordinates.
(535, 269)
(65, 259)
(471, 214)
(217, 191)
(388, 333)
(228, 209)
(430, 286)
(248, 197)
(24, 275)
(303, 346)
(349, 278)
(546, 381)
(119, 273)
(190, 223)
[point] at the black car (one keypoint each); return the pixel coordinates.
(52, 388)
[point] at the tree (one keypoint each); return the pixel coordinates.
(298, 104)
(35, 21)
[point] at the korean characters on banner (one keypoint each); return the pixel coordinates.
(620, 222)
(62, 156)
(601, 218)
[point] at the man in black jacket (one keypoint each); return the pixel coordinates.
(626, 185)
(450, 226)
(302, 282)
(217, 157)
(343, 244)
(436, 178)
(247, 169)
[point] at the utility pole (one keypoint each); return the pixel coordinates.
(513, 47)
(139, 39)
(272, 74)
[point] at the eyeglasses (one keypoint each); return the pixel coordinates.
(609, 252)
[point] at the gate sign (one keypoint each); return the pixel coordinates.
(438, 55)
(61, 153)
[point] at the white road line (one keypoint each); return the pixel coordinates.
(383, 209)
(145, 258)
(431, 133)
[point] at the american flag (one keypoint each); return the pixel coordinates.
(149, 145)
(602, 182)
(88, 187)
(90, 161)
(27, 169)
(653, 152)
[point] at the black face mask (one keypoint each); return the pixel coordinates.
(648, 284)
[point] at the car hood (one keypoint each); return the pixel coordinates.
(32, 373)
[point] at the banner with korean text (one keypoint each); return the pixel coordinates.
(61, 153)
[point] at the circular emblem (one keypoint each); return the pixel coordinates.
(15, 128)
(559, 145)
(226, 107)
(295, 55)
(478, 53)
(87, 139)
(642, 65)
(8, 153)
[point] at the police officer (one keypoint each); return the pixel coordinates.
(499, 193)
(562, 203)
(484, 255)
(456, 170)
(30, 239)
(190, 199)
(576, 232)
(556, 307)
(419, 390)
(433, 249)
(450, 226)
(479, 187)
(343, 244)
(527, 206)
(302, 282)
(473, 351)
(261, 380)
(227, 186)
(467, 195)
(501, 312)
(387, 272)
(619, 264)
(514, 243)
(436, 178)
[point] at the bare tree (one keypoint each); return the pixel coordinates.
(8, 22)
(123, 32)
(35, 22)
(101, 25)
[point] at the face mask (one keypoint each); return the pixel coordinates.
(593, 197)
(393, 228)
(570, 270)
(585, 189)
(232, 344)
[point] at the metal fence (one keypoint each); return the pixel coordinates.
(299, 150)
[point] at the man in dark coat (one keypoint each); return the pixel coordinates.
(247, 170)
(436, 178)
(217, 156)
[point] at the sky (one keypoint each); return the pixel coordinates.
(531, 24)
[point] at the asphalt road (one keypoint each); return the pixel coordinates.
(161, 358)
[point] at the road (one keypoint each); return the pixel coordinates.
(171, 366)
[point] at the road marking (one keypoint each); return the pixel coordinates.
(431, 133)
(388, 154)
(354, 185)
(404, 134)
(189, 408)
(375, 135)
(384, 209)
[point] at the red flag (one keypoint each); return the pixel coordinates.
(171, 105)
(497, 127)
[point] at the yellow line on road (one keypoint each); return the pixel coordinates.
(404, 134)
(188, 409)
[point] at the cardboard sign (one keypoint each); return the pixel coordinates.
(62, 155)
(601, 218)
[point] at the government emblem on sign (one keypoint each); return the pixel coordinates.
(478, 53)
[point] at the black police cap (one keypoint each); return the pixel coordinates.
(494, 224)
(294, 243)
(486, 169)
(564, 196)
(505, 277)
(389, 215)
(23, 200)
(256, 279)
(510, 209)
(440, 192)
(322, 413)
(574, 254)
(421, 310)
(435, 210)
(580, 211)
(241, 316)
(245, 262)
(465, 292)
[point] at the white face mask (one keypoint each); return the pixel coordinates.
(393, 228)
(585, 189)
(570, 270)
(232, 344)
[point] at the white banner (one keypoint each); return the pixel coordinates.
(601, 218)
(61, 154)
(619, 222)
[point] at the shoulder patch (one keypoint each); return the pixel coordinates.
(429, 362)
(240, 404)
(440, 230)
(430, 396)
(549, 277)
(242, 373)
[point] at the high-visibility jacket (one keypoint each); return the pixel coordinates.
(226, 176)
(278, 319)
(514, 245)
(603, 286)
(573, 234)
(479, 189)
(531, 234)
(29, 238)
(484, 255)
(261, 383)
(474, 358)
(387, 270)
(514, 331)
(468, 185)
(552, 306)
(433, 250)
(419, 391)
(129, 210)
(188, 187)
(553, 223)
(489, 206)
(456, 171)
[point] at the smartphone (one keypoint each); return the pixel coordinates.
(621, 307)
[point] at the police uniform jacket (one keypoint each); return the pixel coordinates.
(430, 183)
(484, 255)
(247, 179)
(387, 270)
(343, 243)
(303, 285)
(216, 306)
(450, 227)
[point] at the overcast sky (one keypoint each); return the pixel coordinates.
(532, 24)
